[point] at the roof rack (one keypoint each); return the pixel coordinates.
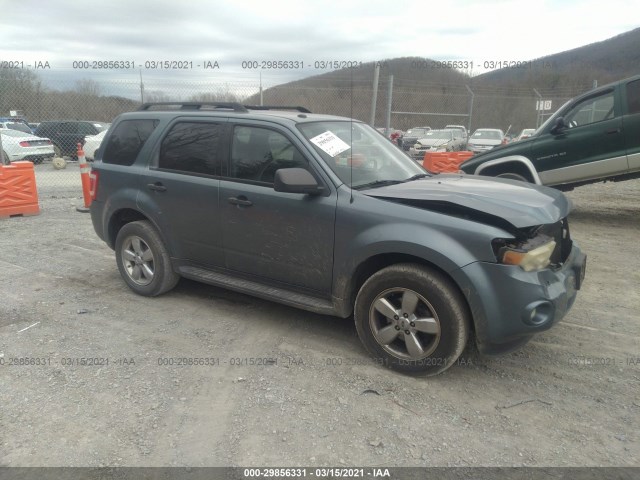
(236, 107)
(277, 107)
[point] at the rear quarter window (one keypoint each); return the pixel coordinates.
(126, 141)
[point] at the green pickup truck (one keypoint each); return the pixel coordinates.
(591, 138)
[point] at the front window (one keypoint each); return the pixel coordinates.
(357, 154)
(257, 153)
(592, 110)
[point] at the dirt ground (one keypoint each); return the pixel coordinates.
(273, 386)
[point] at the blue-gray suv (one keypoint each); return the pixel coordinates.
(322, 213)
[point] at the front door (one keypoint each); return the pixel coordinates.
(274, 236)
(592, 145)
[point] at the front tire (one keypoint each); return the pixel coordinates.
(413, 319)
(143, 260)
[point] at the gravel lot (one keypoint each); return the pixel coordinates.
(569, 398)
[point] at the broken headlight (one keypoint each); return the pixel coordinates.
(532, 254)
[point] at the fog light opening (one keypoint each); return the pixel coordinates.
(538, 313)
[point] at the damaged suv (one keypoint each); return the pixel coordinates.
(322, 213)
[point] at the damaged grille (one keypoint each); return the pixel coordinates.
(559, 231)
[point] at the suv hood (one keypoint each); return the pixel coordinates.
(520, 204)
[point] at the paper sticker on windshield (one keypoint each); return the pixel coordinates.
(330, 143)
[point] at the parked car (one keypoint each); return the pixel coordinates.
(525, 133)
(66, 134)
(437, 141)
(411, 137)
(462, 129)
(591, 138)
(21, 127)
(18, 145)
(421, 262)
(484, 139)
(91, 144)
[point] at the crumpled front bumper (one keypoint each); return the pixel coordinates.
(510, 305)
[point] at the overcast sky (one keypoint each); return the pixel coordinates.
(61, 32)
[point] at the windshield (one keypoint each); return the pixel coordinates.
(489, 134)
(438, 134)
(357, 154)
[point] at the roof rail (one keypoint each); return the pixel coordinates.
(277, 107)
(236, 107)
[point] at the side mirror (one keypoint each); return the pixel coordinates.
(296, 180)
(559, 126)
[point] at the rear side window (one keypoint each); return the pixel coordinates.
(192, 147)
(126, 141)
(633, 96)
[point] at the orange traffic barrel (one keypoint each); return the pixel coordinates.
(18, 192)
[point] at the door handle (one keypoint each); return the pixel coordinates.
(157, 187)
(241, 200)
(613, 130)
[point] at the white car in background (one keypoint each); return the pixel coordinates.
(91, 144)
(17, 145)
(526, 133)
(484, 139)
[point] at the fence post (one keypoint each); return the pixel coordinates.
(389, 98)
(374, 97)
(470, 109)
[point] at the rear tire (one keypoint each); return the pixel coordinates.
(143, 260)
(412, 319)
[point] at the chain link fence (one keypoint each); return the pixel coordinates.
(403, 103)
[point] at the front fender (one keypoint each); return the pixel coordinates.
(519, 159)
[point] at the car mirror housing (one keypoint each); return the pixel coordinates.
(296, 180)
(559, 126)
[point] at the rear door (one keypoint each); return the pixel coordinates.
(274, 236)
(181, 188)
(631, 123)
(591, 147)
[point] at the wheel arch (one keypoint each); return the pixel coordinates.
(514, 163)
(377, 262)
(120, 218)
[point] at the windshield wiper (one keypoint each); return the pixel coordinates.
(416, 177)
(384, 183)
(378, 183)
